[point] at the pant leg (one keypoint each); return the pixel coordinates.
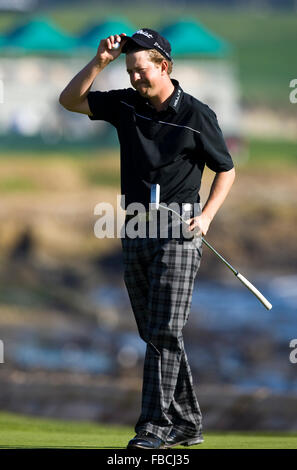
(171, 275)
(184, 410)
(137, 256)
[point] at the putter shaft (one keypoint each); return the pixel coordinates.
(220, 257)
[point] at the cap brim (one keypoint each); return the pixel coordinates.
(136, 41)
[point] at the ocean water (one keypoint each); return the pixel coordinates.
(225, 319)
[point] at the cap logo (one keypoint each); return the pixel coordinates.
(160, 47)
(140, 31)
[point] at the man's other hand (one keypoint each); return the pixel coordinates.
(200, 223)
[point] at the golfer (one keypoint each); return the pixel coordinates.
(166, 137)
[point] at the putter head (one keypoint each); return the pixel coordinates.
(155, 196)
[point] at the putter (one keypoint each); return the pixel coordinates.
(155, 205)
(155, 197)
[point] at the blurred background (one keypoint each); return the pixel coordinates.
(71, 348)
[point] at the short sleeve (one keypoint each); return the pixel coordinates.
(104, 105)
(216, 154)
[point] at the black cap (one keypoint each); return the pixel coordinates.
(149, 39)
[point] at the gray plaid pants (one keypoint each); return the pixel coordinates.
(159, 275)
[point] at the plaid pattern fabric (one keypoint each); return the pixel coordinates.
(159, 274)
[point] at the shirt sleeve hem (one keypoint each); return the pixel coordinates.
(90, 102)
(223, 169)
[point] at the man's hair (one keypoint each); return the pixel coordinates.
(154, 56)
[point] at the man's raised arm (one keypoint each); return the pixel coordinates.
(74, 96)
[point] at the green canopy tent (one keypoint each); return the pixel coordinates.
(190, 38)
(38, 35)
(91, 37)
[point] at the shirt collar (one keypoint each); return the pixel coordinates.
(175, 99)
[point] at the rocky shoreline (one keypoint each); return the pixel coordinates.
(118, 401)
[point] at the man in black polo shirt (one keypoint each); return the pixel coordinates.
(166, 137)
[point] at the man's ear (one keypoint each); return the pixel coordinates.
(164, 67)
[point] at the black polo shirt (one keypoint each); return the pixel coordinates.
(170, 147)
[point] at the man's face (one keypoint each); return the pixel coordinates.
(145, 76)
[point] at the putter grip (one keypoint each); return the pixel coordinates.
(255, 291)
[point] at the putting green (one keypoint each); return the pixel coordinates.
(17, 431)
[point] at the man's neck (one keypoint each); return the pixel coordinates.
(160, 101)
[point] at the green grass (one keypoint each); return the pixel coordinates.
(58, 170)
(71, 169)
(53, 168)
(102, 167)
(271, 153)
(13, 185)
(18, 431)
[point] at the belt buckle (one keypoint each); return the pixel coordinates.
(187, 210)
(187, 207)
